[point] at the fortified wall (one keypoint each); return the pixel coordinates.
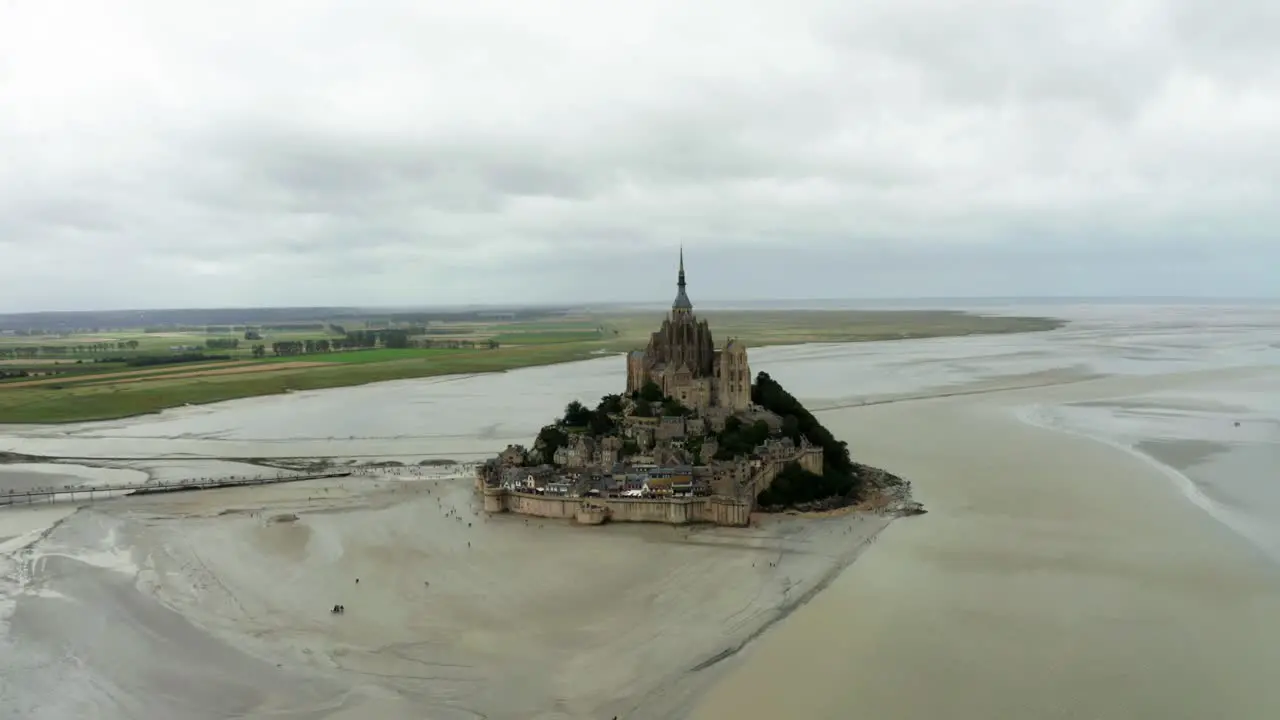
(717, 509)
(809, 457)
(593, 511)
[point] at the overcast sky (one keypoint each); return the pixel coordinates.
(312, 152)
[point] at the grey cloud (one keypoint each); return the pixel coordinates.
(415, 152)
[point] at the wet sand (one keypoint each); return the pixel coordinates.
(456, 614)
(1055, 577)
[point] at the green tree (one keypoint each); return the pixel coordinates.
(600, 423)
(840, 477)
(395, 338)
(694, 446)
(791, 428)
(740, 439)
(610, 404)
(673, 407)
(576, 415)
(770, 395)
(550, 439)
(650, 392)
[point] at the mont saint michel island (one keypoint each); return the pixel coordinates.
(692, 439)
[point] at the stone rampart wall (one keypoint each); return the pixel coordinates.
(810, 458)
(675, 511)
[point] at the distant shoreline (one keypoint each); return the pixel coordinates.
(90, 391)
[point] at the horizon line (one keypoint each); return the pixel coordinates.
(586, 305)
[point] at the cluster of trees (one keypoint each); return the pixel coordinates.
(373, 338)
(149, 360)
(222, 343)
(649, 392)
(33, 351)
(597, 422)
(579, 417)
(287, 348)
(358, 340)
(456, 344)
(795, 484)
(738, 438)
(252, 335)
(10, 374)
(25, 352)
(550, 439)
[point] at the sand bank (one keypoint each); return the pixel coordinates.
(21, 477)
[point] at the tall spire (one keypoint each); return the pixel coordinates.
(682, 303)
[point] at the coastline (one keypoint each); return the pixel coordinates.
(1205, 448)
(71, 402)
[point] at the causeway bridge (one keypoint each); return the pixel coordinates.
(73, 493)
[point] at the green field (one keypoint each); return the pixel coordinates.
(81, 395)
(547, 337)
(372, 355)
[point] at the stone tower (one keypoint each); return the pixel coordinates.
(682, 360)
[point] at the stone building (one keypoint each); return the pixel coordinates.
(580, 451)
(513, 455)
(681, 358)
(670, 427)
(608, 451)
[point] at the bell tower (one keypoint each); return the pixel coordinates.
(681, 306)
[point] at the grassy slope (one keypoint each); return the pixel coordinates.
(538, 343)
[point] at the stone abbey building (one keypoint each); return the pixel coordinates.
(682, 359)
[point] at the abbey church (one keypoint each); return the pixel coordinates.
(682, 359)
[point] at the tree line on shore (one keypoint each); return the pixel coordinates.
(26, 352)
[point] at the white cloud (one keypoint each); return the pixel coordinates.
(316, 152)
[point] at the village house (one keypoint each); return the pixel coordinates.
(634, 482)
(558, 486)
(579, 452)
(537, 478)
(608, 451)
(512, 478)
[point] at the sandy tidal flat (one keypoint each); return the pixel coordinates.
(1056, 576)
(455, 613)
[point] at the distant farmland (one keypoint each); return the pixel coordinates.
(74, 376)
